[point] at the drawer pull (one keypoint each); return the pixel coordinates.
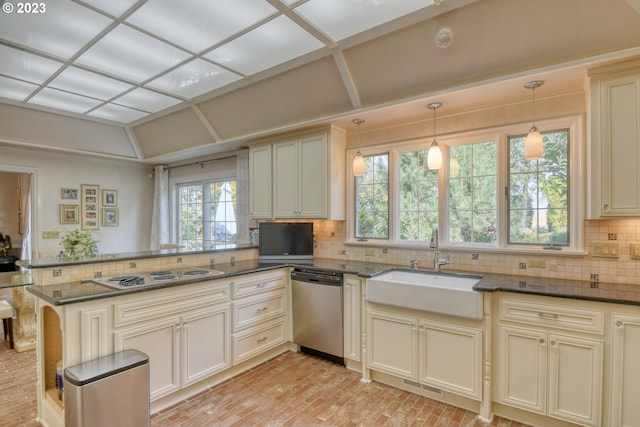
(261, 340)
(548, 316)
(260, 285)
(262, 309)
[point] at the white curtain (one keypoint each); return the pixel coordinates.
(160, 218)
(24, 226)
(242, 197)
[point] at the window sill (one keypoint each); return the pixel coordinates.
(512, 250)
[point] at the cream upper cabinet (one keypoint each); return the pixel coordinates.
(304, 179)
(260, 182)
(625, 370)
(614, 175)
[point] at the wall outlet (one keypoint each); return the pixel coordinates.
(609, 249)
(635, 250)
(369, 252)
(50, 234)
(536, 263)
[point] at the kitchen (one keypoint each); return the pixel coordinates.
(488, 94)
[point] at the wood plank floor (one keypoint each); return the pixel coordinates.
(291, 390)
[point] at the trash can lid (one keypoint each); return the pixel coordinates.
(94, 370)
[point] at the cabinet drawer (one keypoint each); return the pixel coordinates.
(551, 315)
(256, 283)
(257, 340)
(252, 310)
(142, 307)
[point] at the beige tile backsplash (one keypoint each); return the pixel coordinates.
(330, 237)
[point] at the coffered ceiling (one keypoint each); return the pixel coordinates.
(161, 80)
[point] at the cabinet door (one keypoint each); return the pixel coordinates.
(285, 180)
(205, 344)
(625, 371)
(352, 314)
(312, 190)
(521, 368)
(451, 358)
(260, 182)
(159, 341)
(618, 130)
(575, 379)
(95, 333)
(392, 344)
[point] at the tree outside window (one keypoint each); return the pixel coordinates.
(538, 192)
(418, 213)
(372, 198)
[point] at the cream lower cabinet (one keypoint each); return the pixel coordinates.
(625, 371)
(183, 349)
(544, 368)
(352, 296)
(442, 355)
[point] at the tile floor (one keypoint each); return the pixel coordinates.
(291, 390)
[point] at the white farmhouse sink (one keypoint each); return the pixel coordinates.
(443, 293)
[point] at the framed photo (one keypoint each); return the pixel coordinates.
(69, 193)
(109, 197)
(89, 202)
(110, 217)
(69, 214)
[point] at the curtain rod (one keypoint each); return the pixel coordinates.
(201, 163)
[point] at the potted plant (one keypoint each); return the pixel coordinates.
(78, 243)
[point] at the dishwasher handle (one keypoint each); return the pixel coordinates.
(319, 279)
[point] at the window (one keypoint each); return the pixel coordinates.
(473, 210)
(418, 211)
(485, 196)
(538, 192)
(207, 214)
(372, 199)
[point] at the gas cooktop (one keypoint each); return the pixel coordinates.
(154, 278)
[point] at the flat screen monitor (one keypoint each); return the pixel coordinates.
(286, 240)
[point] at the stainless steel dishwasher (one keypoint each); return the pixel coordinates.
(317, 312)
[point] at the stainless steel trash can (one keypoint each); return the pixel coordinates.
(108, 391)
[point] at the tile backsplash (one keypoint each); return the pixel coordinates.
(330, 237)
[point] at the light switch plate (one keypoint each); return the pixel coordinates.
(608, 249)
(635, 250)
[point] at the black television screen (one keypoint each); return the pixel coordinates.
(286, 239)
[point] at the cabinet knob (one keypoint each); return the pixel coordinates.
(553, 343)
(605, 207)
(542, 341)
(619, 324)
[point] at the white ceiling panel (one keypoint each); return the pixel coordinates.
(60, 28)
(26, 66)
(63, 100)
(131, 54)
(113, 7)
(146, 100)
(86, 83)
(270, 44)
(15, 89)
(342, 18)
(199, 24)
(195, 78)
(117, 113)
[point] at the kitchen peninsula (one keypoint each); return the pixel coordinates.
(204, 331)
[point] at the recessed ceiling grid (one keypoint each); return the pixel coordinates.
(123, 60)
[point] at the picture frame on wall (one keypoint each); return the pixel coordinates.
(69, 193)
(89, 202)
(69, 214)
(110, 217)
(109, 197)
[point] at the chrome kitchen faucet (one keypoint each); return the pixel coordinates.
(435, 245)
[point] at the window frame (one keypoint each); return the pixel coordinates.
(575, 127)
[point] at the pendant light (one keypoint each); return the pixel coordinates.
(434, 158)
(358, 161)
(533, 145)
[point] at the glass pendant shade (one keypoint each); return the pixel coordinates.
(358, 164)
(434, 158)
(533, 145)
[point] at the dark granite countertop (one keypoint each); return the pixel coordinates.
(12, 279)
(69, 293)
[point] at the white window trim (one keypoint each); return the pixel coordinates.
(575, 124)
